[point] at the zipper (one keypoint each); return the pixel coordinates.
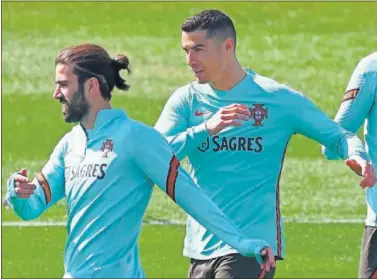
(86, 143)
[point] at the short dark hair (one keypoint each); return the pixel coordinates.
(217, 24)
(90, 60)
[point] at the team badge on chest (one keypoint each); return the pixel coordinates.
(259, 114)
(107, 146)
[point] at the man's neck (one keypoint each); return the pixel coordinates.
(88, 120)
(233, 75)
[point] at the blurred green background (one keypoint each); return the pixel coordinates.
(312, 47)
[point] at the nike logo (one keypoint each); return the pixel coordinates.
(200, 113)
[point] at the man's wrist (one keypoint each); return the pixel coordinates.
(206, 127)
(360, 160)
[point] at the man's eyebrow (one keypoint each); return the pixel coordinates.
(61, 81)
(195, 46)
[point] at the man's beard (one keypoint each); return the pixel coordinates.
(77, 108)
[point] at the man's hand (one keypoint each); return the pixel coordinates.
(22, 186)
(227, 116)
(268, 259)
(364, 169)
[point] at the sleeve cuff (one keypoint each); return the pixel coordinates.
(258, 250)
(330, 155)
(259, 246)
(11, 192)
(359, 156)
(10, 186)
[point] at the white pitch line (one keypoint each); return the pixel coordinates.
(177, 222)
(33, 224)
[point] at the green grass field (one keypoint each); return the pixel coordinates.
(312, 47)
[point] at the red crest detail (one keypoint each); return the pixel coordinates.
(258, 113)
(107, 146)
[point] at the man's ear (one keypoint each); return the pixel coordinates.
(229, 44)
(92, 85)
